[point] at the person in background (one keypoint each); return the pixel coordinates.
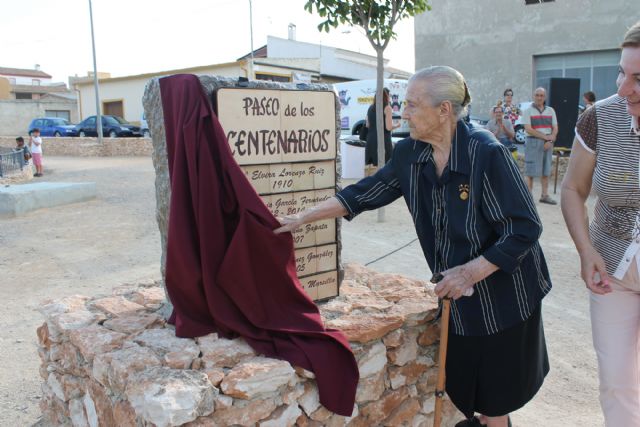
(502, 128)
(605, 156)
(371, 149)
(541, 125)
(589, 99)
(35, 144)
(20, 146)
(509, 109)
(479, 228)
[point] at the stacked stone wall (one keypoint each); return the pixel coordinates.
(89, 147)
(113, 361)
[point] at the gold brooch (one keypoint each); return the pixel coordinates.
(464, 191)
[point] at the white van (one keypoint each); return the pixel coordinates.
(356, 97)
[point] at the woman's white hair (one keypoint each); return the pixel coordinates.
(442, 83)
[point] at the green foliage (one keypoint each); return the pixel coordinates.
(376, 17)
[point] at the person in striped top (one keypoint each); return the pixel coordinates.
(477, 225)
(606, 155)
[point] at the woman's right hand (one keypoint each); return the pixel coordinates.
(594, 272)
(289, 223)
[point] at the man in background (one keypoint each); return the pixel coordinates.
(541, 125)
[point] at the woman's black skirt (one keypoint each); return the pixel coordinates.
(497, 374)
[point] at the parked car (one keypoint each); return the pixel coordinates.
(53, 126)
(112, 126)
(144, 127)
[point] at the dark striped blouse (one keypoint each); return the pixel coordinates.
(606, 131)
(479, 206)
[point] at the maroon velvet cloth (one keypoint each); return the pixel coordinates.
(226, 271)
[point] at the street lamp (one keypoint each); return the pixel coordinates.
(95, 78)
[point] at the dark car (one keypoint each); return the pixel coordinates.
(53, 126)
(112, 126)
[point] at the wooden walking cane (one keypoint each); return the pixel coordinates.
(442, 353)
(442, 359)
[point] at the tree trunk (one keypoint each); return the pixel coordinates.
(380, 117)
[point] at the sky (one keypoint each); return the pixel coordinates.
(142, 36)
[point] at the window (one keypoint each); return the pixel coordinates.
(113, 108)
(537, 1)
(35, 82)
(63, 114)
(597, 71)
(273, 77)
(21, 95)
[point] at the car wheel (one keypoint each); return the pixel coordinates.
(146, 133)
(57, 134)
(521, 135)
(81, 134)
(113, 134)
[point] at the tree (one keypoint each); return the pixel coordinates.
(377, 18)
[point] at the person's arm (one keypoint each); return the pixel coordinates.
(576, 187)
(367, 194)
(536, 134)
(388, 118)
(508, 207)
(330, 208)
(508, 128)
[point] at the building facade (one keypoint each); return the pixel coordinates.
(283, 60)
(28, 94)
(521, 44)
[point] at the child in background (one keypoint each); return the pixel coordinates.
(35, 143)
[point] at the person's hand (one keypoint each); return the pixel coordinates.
(289, 223)
(457, 282)
(547, 145)
(594, 272)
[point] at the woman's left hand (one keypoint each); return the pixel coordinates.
(457, 282)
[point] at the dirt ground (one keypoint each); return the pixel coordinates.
(88, 248)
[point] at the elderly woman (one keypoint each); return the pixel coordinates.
(606, 154)
(478, 226)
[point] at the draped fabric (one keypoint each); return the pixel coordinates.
(226, 271)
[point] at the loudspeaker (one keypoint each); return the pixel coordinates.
(563, 97)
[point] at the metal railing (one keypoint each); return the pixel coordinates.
(11, 161)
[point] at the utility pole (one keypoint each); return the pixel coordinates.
(251, 75)
(95, 78)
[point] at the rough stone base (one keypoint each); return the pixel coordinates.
(112, 361)
(19, 199)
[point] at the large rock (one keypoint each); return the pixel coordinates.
(245, 415)
(364, 328)
(114, 369)
(94, 340)
(117, 305)
(373, 361)
(284, 416)
(132, 323)
(258, 377)
(223, 353)
(370, 388)
(176, 352)
(168, 397)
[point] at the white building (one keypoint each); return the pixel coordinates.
(284, 60)
(21, 76)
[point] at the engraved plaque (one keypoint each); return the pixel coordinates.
(265, 126)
